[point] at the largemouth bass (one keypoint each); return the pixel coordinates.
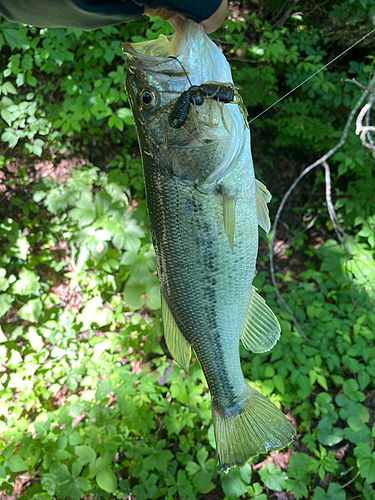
(204, 207)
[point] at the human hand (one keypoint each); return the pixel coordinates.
(177, 21)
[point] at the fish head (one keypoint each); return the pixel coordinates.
(159, 74)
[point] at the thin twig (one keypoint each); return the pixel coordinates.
(343, 473)
(352, 80)
(349, 482)
(369, 138)
(362, 130)
(342, 236)
(308, 169)
(286, 16)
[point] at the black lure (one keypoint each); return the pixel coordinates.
(196, 94)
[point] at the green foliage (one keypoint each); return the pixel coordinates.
(90, 404)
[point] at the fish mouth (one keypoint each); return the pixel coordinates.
(197, 143)
(154, 57)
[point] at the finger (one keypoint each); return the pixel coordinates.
(216, 20)
(160, 12)
(178, 23)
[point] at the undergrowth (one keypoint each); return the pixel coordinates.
(91, 404)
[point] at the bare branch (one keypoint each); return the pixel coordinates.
(369, 138)
(341, 234)
(352, 80)
(321, 161)
(349, 482)
(362, 130)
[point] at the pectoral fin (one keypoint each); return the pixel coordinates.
(262, 197)
(177, 345)
(262, 330)
(229, 210)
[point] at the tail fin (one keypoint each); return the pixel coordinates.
(256, 427)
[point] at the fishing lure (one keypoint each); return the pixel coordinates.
(196, 94)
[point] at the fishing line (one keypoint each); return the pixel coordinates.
(316, 72)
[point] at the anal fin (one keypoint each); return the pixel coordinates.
(177, 345)
(262, 330)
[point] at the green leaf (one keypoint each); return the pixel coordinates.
(273, 477)
(351, 390)
(246, 473)
(192, 468)
(366, 461)
(363, 380)
(279, 383)
(27, 283)
(14, 360)
(77, 467)
(139, 492)
(31, 310)
(255, 491)
(203, 481)
(84, 216)
(5, 303)
(68, 487)
(15, 37)
(3, 338)
(349, 408)
(185, 489)
(133, 294)
(16, 464)
(298, 487)
(334, 492)
(62, 442)
(202, 455)
(49, 483)
(59, 454)
(233, 484)
(332, 437)
(4, 282)
(103, 389)
(153, 300)
(107, 480)
(157, 459)
(36, 341)
(76, 438)
(358, 432)
(300, 464)
(85, 453)
(20, 248)
(83, 483)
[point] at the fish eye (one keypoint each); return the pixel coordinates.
(147, 99)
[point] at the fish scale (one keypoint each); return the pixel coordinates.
(204, 207)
